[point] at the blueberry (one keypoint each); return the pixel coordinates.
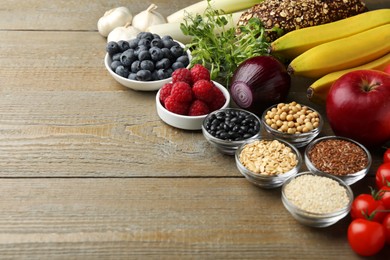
(132, 76)
(123, 45)
(167, 37)
(184, 59)
(164, 63)
(128, 57)
(168, 43)
(145, 35)
(163, 74)
(147, 65)
(155, 75)
(144, 42)
(168, 54)
(177, 51)
(156, 36)
(115, 64)
(116, 56)
(139, 49)
(144, 55)
(112, 48)
(156, 54)
(157, 43)
(133, 43)
(135, 66)
(177, 65)
(144, 75)
(122, 71)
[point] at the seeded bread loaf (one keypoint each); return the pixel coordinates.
(290, 15)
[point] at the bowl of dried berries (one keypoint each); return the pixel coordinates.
(317, 199)
(185, 101)
(338, 156)
(228, 128)
(146, 62)
(268, 163)
(293, 122)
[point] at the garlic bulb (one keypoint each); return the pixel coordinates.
(147, 18)
(113, 18)
(124, 33)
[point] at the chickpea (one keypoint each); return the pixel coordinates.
(292, 118)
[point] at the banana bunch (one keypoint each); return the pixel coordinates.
(326, 52)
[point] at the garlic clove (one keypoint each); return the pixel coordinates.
(147, 18)
(124, 33)
(113, 18)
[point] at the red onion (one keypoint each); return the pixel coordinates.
(258, 83)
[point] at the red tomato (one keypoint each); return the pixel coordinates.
(366, 237)
(382, 176)
(384, 194)
(386, 156)
(365, 206)
(386, 225)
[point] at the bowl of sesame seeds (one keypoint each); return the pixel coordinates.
(338, 156)
(267, 163)
(316, 199)
(293, 122)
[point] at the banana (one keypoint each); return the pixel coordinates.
(319, 89)
(343, 53)
(298, 41)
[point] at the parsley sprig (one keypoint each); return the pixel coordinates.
(216, 44)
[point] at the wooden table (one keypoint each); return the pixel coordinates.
(89, 171)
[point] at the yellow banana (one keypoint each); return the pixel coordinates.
(298, 41)
(341, 54)
(319, 89)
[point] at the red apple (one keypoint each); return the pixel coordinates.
(358, 107)
(387, 69)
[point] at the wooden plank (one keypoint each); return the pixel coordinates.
(50, 15)
(158, 218)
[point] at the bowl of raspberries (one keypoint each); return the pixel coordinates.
(146, 62)
(190, 96)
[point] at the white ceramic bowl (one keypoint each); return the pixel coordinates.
(186, 122)
(139, 85)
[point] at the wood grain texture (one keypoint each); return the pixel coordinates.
(207, 218)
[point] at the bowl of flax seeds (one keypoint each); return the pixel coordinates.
(338, 156)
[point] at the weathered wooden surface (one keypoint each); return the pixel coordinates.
(88, 170)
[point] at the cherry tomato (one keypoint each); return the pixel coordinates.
(384, 194)
(386, 156)
(366, 237)
(382, 176)
(366, 206)
(386, 225)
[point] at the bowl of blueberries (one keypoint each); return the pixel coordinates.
(146, 62)
(227, 129)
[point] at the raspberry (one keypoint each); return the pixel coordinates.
(199, 72)
(182, 74)
(203, 90)
(218, 101)
(182, 92)
(172, 105)
(165, 92)
(198, 108)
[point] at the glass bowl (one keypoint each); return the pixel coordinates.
(229, 145)
(275, 178)
(336, 158)
(297, 139)
(323, 205)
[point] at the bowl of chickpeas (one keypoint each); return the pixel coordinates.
(292, 122)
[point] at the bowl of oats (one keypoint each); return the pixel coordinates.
(268, 163)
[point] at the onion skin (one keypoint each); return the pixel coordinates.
(259, 83)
